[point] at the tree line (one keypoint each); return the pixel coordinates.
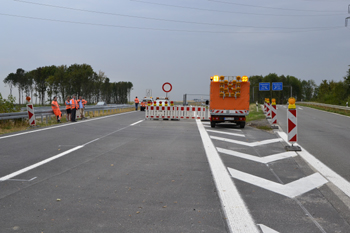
(46, 82)
(329, 92)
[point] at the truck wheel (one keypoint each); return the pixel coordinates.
(212, 124)
(242, 124)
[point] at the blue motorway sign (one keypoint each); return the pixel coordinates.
(277, 86)
(264, 86)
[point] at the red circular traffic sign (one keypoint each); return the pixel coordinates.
(171, 87)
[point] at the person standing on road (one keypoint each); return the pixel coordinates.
(56, 109)
(81, 103)
(136, 103)
(74, 107)
(68, 108)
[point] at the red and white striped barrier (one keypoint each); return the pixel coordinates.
(292, 126)
(274, 114)
(31, 115)
(175, 112)
(268, 106)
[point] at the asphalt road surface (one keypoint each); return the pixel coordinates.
(325, 135)
(121, 173)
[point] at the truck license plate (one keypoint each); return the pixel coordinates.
(229, 118)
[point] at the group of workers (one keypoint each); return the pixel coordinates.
(72, 105)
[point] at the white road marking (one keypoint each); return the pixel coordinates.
(55, 157)
(237, 215)
(300, 108)
(136, 122)
(21, 180)
(233, 134)
(328, 173)
(205, 123)
(293, 189)
(68, 124)
(251, 144)
(266, 229)
(39, 164)
(265, 160)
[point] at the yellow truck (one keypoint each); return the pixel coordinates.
(229, 99)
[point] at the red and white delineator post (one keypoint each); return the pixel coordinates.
(274, 114)
(268, 109)
(31, 115)
(292, 126)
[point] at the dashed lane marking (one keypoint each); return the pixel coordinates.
(221, 132)
(251, 144)
(291, 190)
(136, 123)
(237, 215)
(55, 157)
(265, 160)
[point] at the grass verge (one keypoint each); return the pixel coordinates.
(327, 109)
(255, 114)
(10, 126)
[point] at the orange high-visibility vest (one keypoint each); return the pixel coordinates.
(143, 104)
(68, 105)
(74, 104)
(83, 102)
(137, 101)
(56, 108)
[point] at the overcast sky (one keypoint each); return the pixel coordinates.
(184, 42)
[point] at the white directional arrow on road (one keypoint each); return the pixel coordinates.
(291, 190)
(251, 144)
(266, 159)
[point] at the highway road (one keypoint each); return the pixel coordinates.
(325, 135)
(121, 173)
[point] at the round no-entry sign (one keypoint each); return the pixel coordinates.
(168, 89)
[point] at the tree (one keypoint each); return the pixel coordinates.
(11, 81)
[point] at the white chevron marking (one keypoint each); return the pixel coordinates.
(251, 144)
(266, 229)
(267, 159)
(293, 189)
(233, 134)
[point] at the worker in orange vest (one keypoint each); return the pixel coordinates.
(68, 108)
(81, 103)
(136, 103)
(56, 109)
(74, 107)
(143, 106)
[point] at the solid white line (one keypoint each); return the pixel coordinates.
(39, 164)
(291, 190)
(237, 215)
(58, 126)
(328, 173)
(265, 160)
(251, 144)
(233, 134)
(136, 122)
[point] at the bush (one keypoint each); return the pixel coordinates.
(8, 105)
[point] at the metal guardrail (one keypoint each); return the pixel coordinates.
(326, 105)
(42, 113)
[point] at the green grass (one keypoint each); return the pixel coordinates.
(327, 109)
(255, 115)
